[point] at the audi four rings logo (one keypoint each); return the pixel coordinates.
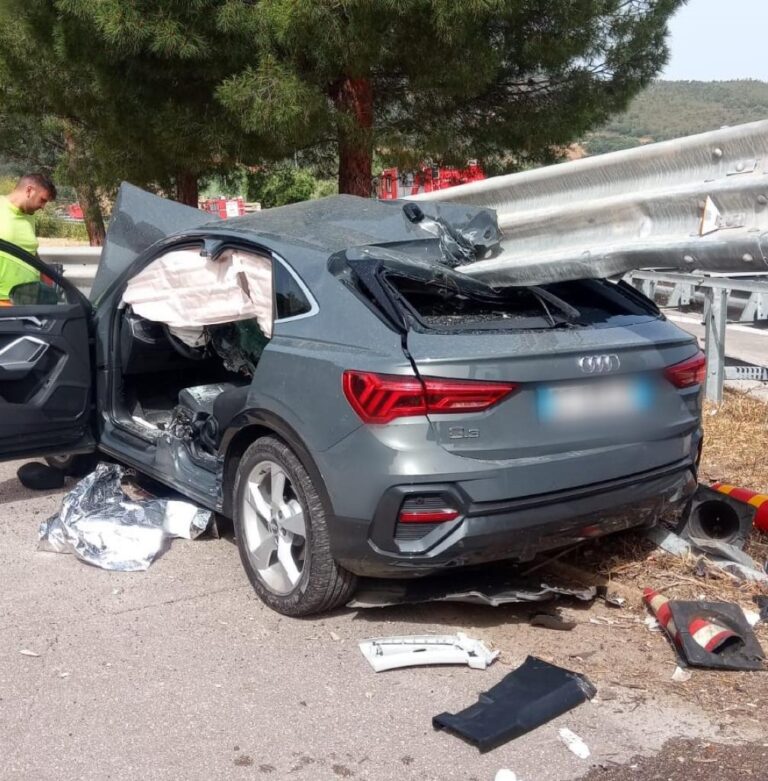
(599, 364)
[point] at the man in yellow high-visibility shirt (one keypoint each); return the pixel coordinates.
(17, 225)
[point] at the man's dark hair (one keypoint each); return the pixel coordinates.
(41, 181)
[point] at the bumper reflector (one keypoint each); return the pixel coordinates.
(428, 516)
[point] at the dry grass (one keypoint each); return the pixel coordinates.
(736, 442)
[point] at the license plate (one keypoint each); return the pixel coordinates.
(598, 400)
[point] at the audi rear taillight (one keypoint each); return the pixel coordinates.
(382, 398)
(688, 373)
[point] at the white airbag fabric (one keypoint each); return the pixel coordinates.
(183, 289)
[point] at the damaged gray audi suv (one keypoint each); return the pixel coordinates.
(320, 374)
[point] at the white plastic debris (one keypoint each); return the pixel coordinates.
(680, 675)
(27, 652)
(505, 775)
(391, 653)
(574, 743)
(752, 616)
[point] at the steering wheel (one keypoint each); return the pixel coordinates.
(184, 350)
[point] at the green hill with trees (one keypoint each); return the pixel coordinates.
(671, 109)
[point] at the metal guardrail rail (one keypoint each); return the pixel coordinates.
(692, 203)
(716, 290)
(79, 263)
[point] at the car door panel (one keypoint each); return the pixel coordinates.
(45, 373)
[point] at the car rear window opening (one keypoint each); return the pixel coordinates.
(578, 303)
(438, 305)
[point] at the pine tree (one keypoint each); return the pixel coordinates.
(438, 79)
(133, 84)
(167, 91)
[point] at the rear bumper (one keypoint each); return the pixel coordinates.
(515, 529)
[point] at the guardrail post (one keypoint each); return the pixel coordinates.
(756, 308)
(715, 315)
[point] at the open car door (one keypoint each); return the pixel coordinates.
(46, 378)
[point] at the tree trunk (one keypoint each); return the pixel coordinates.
(354, 101)
(87, 196)
(92, 214)
(187, 189)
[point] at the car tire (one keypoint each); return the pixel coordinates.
(74, 466)
(280, 523)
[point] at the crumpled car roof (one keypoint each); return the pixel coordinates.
(328, 225)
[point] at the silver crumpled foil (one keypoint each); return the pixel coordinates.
(103, 526)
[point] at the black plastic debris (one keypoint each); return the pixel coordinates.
(40, 477)
(715, 635)
(718, 518)
(762, 606)
(535, 693)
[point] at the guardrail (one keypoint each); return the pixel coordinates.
(716, 290)
(79, 263)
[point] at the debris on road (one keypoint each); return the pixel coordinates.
(533, 694)
(708, 634)
(27, 652)
(681, 675)
(490, 587)
(390, 653)
(716, 517)
(505, 775)
(736, 562)
(101, 524)
(574, 743)
(552, 621)
(610, 598)
(716, 635)
(752, 498)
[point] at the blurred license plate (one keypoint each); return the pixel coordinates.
(594, 400)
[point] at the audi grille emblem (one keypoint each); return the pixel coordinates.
(599, 364)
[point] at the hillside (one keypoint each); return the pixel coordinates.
(670, 109)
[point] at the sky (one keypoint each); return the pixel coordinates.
(714, 40)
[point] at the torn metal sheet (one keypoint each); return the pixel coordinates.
(101, 525)
(472, 588)
(737, 564)
(695, 203)
(535, 693)
(391, 653)
(185, 289)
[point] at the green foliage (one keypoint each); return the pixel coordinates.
(672, 109)
(281, 185)
(448, 79)
(164, 91)
(49, 226)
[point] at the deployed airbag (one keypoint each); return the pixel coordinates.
(185, 289)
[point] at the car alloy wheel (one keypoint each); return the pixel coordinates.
(281, 524)
(275, 528)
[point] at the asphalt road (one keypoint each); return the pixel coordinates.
(181, 673)
(742, 342)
